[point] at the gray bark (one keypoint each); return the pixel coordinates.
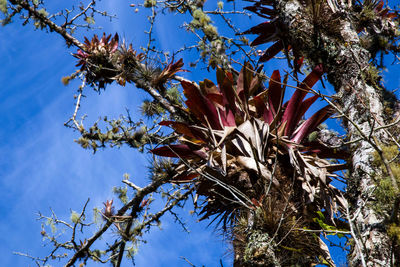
(334, 42)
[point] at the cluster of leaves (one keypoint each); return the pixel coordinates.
(103, 62)
(152, 108)
(211, 46)
(118, 132)
(240, 144)
(371, 17)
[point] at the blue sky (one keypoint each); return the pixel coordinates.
(41, 166)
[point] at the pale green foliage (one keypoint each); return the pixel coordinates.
(121, 193)
(174, 94)
(132, 250)
(201, 18)
(74, 217)
(372, 75)
(320, 219)
(151, 108)
(210, 30)
(65, 80)
(149, 3)
(96, 215)
(90, 20)
(98, 253)
(38, 24)
(394, 231)
(126, 176)
(313, 136)
(203, 21)
(385, 192)
(50, 222)
(3, 6)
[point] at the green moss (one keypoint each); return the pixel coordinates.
(394, 231)
(121, 192)
(74, 217)
(174, 95)
(372, 75)
(385, 192)
(210, 30)
(151, 108)
(3, 6)
(199, 15)
(149, 3)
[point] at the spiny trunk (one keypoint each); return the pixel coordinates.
(330, 39)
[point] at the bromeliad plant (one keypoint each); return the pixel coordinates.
(364, 15)
(104, 61)
(249, 155)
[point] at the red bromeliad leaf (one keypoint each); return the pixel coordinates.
(114, 43)
(87, 42)
(310, 124)
(225, 83)
(290, 114)
(227, 118)
(267, 32)
(244, 81)
(200, 105)
(169, 71)
(379, 6)
(313, 77)
(323, 151)
(264, 38)
(216, 98)
(391, 15)
(185, 129)
(275, 91)
(178, 151)
(104, 39)
(294, 104)
(255, 85)
(259, 103)
(268, 116)
(298, 62)
(208, 87)
(220, 75)
(272, 51)
(94, 41)
(185, 178)
(303, 108)
(262, 28)
(384, 12)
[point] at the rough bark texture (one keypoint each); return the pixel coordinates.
(331, 39)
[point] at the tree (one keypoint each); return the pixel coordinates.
(251, 162)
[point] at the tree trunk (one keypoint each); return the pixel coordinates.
(322, 36)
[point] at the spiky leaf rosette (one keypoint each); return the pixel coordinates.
(324, 13)
(244, 148)
(103, 61)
